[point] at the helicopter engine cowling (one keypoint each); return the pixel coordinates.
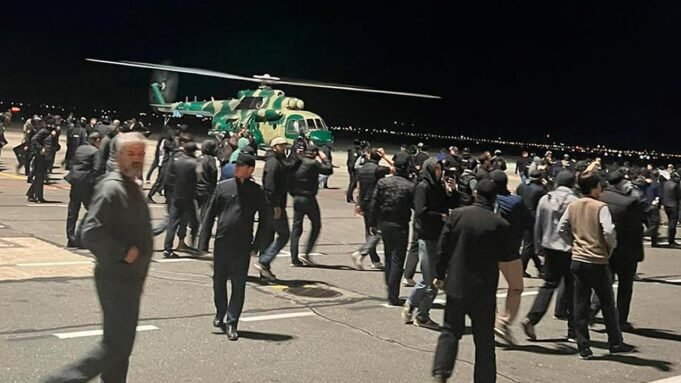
(267, 115)
(293, 103)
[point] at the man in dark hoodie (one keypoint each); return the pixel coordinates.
(432, 201)
(531, 194)
(473, 242)
(182, 206)
(390, 211)
(671, 195)
(303, 186)
(627, 215)
(117, 229)
(557, 253)
(275, 185)
(512, 209)
(235, 202)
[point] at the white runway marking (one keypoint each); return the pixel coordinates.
(81, 334)
(276, 316)
(173, 260)
(674, 379)
(65, 263)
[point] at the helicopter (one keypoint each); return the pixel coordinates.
(266, 112)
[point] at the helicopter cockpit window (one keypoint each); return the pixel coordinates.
(310, 123)
(294, 126)
(321, 125)
(250, 103)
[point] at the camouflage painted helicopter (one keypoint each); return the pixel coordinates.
(265, 111)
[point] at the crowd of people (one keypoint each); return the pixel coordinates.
(452, 213)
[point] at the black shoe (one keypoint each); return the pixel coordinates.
(170, 254)
(622, 348)
(31, 199)
(297, 263)
(231, 333)
(150, 200)
(586, 354)
(397, 303)
(219, 323)
(72, 244)
(558, 316)
(439, 379)
(41, 200)
(626, 327)
(526, 275)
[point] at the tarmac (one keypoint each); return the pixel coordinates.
(325, 323)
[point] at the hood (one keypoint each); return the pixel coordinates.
(428, 171)
(623, 188)
(560, 198)
(209, 147)
(243, 142)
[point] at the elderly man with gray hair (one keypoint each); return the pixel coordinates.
(117, 229)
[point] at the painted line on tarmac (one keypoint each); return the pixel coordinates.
(66, 205)
(673, 379)
(65, 263)
(277, 316)
(82, 334)
(174, 260)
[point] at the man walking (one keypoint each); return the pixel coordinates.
(41, 146)
(473, 242)
(82, 175)
(390, 211)
(587, 224)
(275, 185)
(557, 253)
(117, 229)
(235, 201)
(303, 186)
(671, 194)
(531, 194)
(182, 206)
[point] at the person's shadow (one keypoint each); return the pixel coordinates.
(255, 335)
(651, 333)
(660, 365)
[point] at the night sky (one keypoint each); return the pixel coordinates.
(585, 74)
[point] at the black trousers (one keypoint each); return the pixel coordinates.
(598, 278)
(395, 241)
(529, 252)
(153, 167)
(80, 194)
(182, 213)
(652, 217)
(231, 262)
(158, 184)
(304, 206)
(481, 311)
(673, 218)
(352, 184)
(120, 300)
(625, 269)
(563, 300)
(38, 182)
(413, 254)
(371, 241)
(557, 269)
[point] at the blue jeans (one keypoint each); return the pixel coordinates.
(280, 227)
(423, 294)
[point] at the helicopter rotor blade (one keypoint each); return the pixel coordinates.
(353, 88)
(178, 69)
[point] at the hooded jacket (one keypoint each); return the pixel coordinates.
(627, 215)
(671, 193)
(208, 177)
(275, 178)
(512, 209)
(431, 201)
(550, 209)
(304, 176)
(241, 144)
(368, 176)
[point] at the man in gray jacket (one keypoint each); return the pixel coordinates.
(557, 252)
(117, 230)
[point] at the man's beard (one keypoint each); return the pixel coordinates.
(133, 172)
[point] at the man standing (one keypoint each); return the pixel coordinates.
(235, 201)
(531, 194)
(275, 185)
(303, 186)
(368, 176)
(627, 214)
(208, 176)
(353, 153)
(75, 137)
(82, 175)
(41, 147)
(651, 205)
(671, 194)
(473, 242)
(117, 229)
(587, 224)
(522, 166)
(182, 207)
(513, 210)
(557, 253)
(390, 210)
(432, 201)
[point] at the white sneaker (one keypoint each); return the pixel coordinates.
(357, 260)
(377, 265)
(408, 282)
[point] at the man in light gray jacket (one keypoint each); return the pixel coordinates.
(557, 252)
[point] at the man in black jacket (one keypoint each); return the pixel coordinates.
(353, 153)
(473, 242)
(235, 202)
(369, 175)
(117, 229)
(182, 207)
(432, 201)
(76, 136)
(627, 214)
(82, 175)
(531, 194)
(275, 185)
(390, 210)
(671, 195)
(41, 147)
(208, 176)
(303, 186)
